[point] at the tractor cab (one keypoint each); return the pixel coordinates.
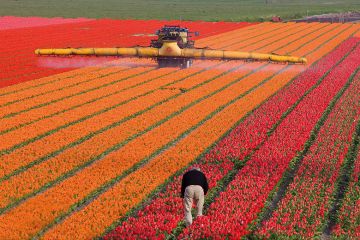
(175, 33)
(180, 35)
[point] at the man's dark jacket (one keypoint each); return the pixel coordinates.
(194, 177)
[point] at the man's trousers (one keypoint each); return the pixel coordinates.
(193, 192)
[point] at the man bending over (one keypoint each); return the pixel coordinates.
(193, 187)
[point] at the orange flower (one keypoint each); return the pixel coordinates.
(213, 110)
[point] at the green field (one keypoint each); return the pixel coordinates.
(208, 10)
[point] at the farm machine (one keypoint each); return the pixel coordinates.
(183, 39)
(173, 47)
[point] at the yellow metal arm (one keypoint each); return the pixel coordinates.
(171, 49)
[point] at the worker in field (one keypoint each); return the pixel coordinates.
(193, 188)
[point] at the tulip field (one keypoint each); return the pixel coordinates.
(95, 147)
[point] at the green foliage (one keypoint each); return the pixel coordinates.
(207, 10)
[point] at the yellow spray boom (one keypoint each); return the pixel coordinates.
(166, 49)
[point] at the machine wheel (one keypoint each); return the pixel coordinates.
(162, 62)
(189, 63)
(186, 63)
(174, 62)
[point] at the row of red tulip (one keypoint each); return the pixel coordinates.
(157, 220)
(244, 139)
(203, 83)
(90, 33)
(348, 224)
(164, 213)
(303, 209)
(244, 198)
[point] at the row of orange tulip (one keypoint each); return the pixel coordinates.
(133, 188)
(51, 87)
(28, 113)
(207, 76)
(110, 136)
(286, 76)
(308, 33)
(59, 139)
(26, 89)
(329, 41)
(272, 40)
(64, 136)
(251, 31)
(256, 37)
(192, 146)
(124, 195)
(86, 82)
(74, 108)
